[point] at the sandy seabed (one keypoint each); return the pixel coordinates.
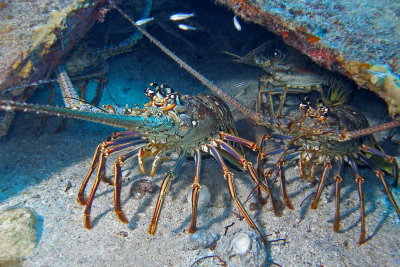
(35, 171)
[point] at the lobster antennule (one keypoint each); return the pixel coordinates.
(121, 121)
(69, 93)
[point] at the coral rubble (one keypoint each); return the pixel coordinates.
(17, 234)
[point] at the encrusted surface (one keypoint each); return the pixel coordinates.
(17, 234)
(353, 37)
(36, 34)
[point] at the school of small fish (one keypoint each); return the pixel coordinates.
(184, 16)
(143, 21)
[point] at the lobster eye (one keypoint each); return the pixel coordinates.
(154, 84)
(304, 106)
(165, 86)
(149, 92)
(162, 93)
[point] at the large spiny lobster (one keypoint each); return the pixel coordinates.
(319, 135)
(188, 125)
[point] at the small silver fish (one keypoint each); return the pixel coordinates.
(236, 23)
(143, 21)
(181, 16)
(239, 84)
(185, 27)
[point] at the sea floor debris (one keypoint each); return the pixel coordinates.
(18, 235)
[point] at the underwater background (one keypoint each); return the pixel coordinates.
(43, 166)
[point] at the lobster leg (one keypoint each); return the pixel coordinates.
(95, 161)
(81, 194)
(100, 172)
(258, 149)
(118, 183)
(377, 152)
(112, 146)
(195, 191)
(147, 152)
(93, 192)
(279, 164)
(164, 187)
(143, 153)
(305, 160)
(157, 161)
(381, 177)
(282, 99)
(261, 159)
(282, 177)
(229, 137)
(359, 181)
(229, 177)
(249, 166)
(100, 157)
(390, 159)
(314, 203)
(338, 179)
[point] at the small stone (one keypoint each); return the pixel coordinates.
(242, 248)
(254, 206)
(122, 233)
(204, 197)
(142, 187)
(17, 234)
(68, 186)
(241, 244)
(201, 239)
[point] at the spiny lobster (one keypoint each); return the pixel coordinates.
(283, 77)
(188, 125)
(322, 133)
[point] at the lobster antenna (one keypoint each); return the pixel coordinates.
(373, 129)
(39, 82)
